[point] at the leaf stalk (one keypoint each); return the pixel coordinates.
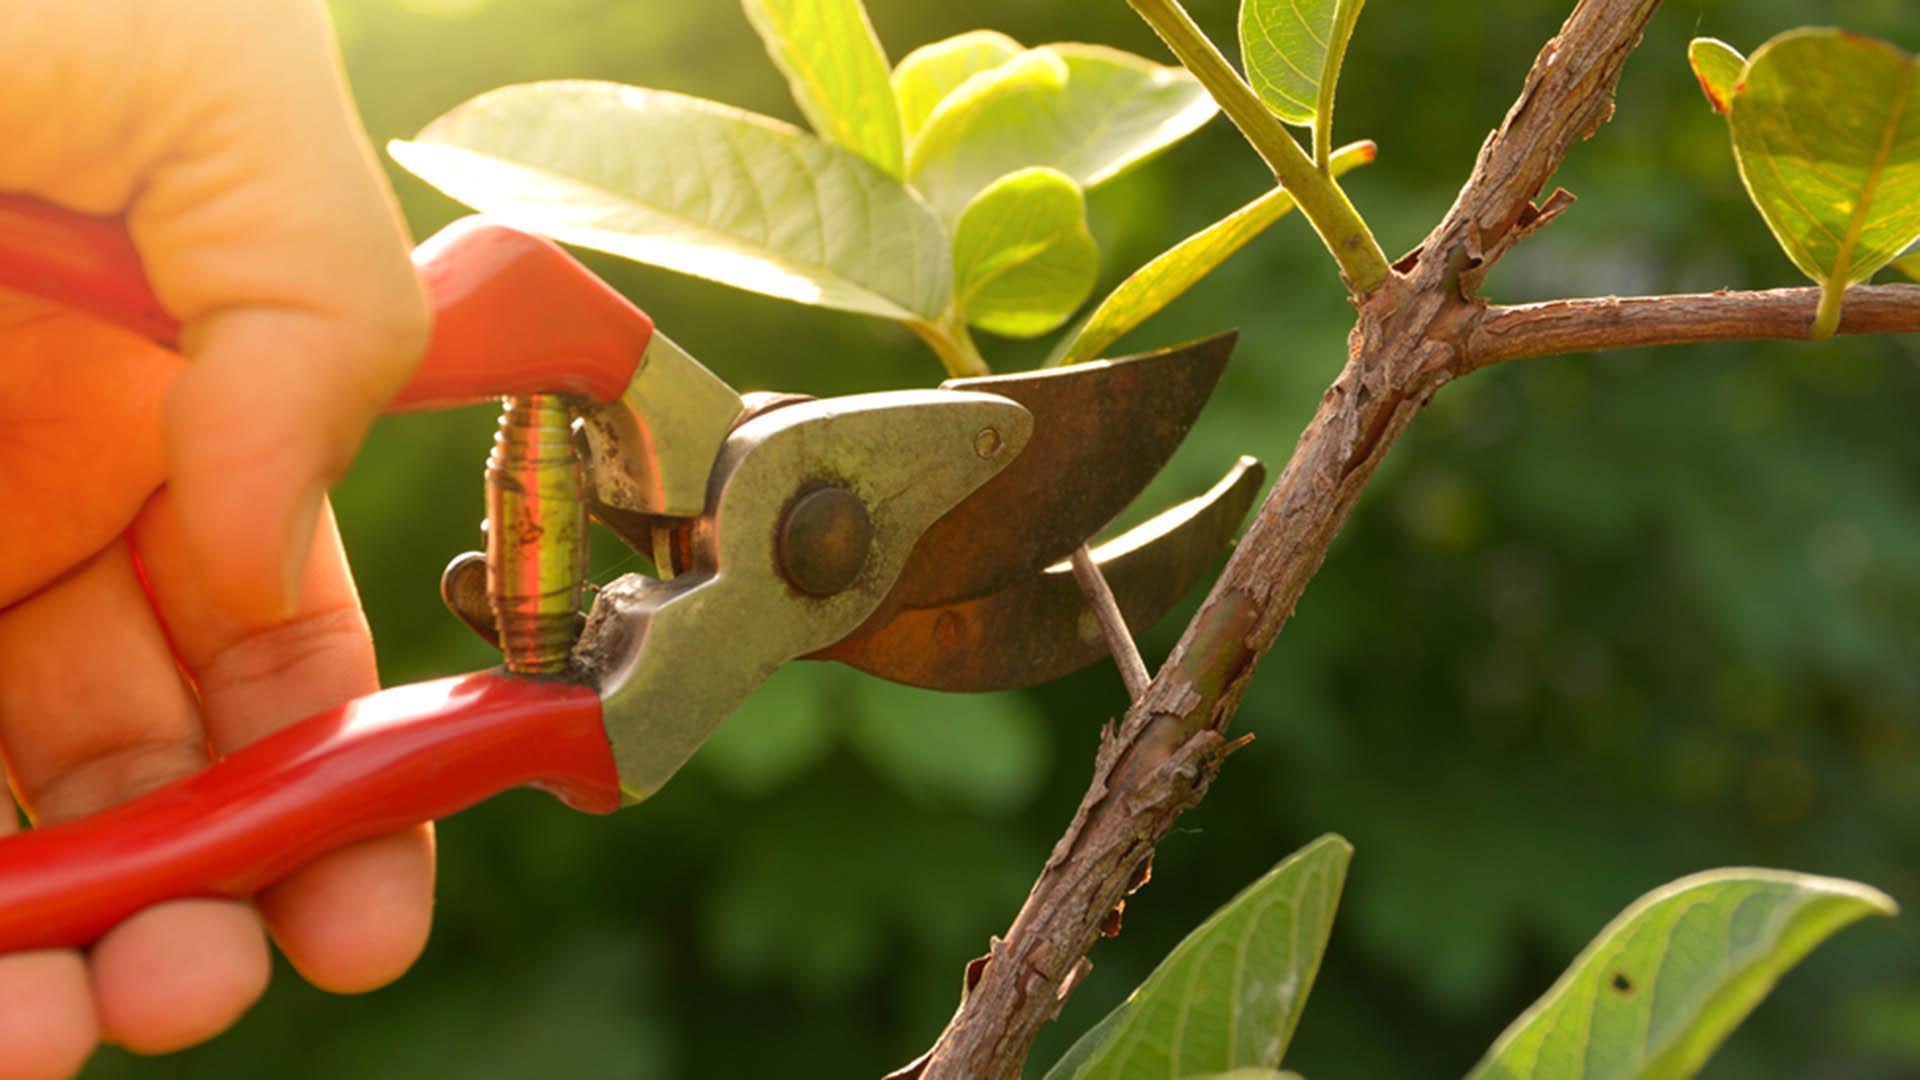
(1362, 263)
(1826, 318)
(947, 336)
(1330, 81)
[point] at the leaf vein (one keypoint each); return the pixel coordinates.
(1842, 263)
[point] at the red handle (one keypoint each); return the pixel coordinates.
(377, 764)
(513, 313)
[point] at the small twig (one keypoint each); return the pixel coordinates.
(1126, 654)
(1611, 322)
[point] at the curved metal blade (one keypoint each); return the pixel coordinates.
(1042, 628)
(1101, 431)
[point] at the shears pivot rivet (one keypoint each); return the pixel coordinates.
(825, 537)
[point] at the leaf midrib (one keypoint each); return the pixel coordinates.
(1858, 223)
(1025, 254)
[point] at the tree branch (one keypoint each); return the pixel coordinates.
(1609, 322)
(1417, 331)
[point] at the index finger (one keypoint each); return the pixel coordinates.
(356, 917)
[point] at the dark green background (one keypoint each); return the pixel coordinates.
(1599, 622)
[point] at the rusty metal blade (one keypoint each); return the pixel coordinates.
(1042, 628)
(1101, 431)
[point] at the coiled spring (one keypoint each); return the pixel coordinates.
(536, 533)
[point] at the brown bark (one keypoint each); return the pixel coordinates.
(1417, 331)
(1612, 322)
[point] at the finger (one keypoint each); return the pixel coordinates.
(178, 973)
(226, 133)
(80, 406)
(46, 1009)
(46, 1015)
(254, 438)
(93, 711)
(358, 917)
(271, 233)
(92, 706)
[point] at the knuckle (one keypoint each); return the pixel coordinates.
(304, 648)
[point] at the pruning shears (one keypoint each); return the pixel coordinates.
(917, 535)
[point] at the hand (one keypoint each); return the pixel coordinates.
(170, 581)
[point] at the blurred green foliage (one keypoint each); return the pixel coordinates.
(1600, 621)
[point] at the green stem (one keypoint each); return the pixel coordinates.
(949, 340)
(1325, 205)
(1343, 22)
(1826, 319)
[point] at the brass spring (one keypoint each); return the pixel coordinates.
(536, 533)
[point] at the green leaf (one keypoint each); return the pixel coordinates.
(1664, 983)
(693, 186)
(1909, 265)
(1228, 997)
(1247, 1074)
(1826, 130)
(1177, 269)
(1023, 259)
(1292, 51)
(931, 72)
(1718, 66)
(838, 74)
(1086, 110)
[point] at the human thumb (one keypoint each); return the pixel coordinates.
(269, 231)
(225, 133)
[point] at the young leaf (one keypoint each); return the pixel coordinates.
(931, 72)
(693, 186)
(1909, 265)
(1717, 65)
(1668, 979)
(1826, 131)
(1086, 110)
(1022, 256)
(1177, 269)
(1227, 998)
(833, 62)
(1292, 51)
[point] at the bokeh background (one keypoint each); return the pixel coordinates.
(1599, 622)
